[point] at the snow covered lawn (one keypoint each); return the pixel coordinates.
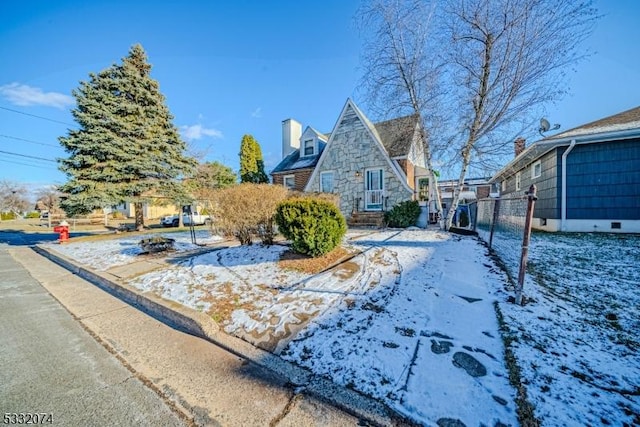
(103, 254)
(578, 341)
(410, 320)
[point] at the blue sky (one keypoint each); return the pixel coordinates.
(231, 68)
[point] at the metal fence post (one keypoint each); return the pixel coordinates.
(525, 242)
(494, 220)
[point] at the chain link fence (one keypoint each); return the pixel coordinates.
(500, 222)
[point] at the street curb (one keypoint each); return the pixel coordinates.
(202, 326)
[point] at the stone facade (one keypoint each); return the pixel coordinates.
(352, 151)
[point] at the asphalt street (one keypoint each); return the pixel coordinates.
(51, 366)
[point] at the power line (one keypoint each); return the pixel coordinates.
(27, 164)
(39, 117)
(29, 141)
(27, 156)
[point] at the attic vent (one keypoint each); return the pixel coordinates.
(616, 225)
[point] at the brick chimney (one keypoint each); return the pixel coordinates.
(519, 145)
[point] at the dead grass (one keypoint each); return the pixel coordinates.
(222, 306)
(290, 260)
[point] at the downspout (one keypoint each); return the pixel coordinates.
(563, 207)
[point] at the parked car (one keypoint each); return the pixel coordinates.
(173, 220)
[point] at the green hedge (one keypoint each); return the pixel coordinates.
(5, 216)
(314, 227)
(403, 215)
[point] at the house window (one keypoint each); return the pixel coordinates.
(518, 180)
(423, 189)
(504, 185)
(308, 147)
(536, 169)
(289, 181)
(326, 182)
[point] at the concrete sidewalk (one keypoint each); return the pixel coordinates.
(53, 370)
(208, 383)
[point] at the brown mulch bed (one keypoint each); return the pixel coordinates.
(290, 260)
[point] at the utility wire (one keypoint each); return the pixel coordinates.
(29, 141)
(28, 164)
(39, 117)
(27, 156)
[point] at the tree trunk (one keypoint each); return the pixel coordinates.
(139, 215)
(466, 159)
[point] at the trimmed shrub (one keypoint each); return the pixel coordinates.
(403, 215)
(314, 226)
(329, 197)
(118, 215)
(464, 218)
(5, 216)
(32, 215)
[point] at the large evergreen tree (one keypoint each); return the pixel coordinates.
(126, 148)
(251, 162)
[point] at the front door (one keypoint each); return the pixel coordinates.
(374, 190)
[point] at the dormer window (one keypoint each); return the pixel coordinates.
(309, 147)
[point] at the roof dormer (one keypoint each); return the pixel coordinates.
(310, 142)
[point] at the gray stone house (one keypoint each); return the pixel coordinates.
(372, 167)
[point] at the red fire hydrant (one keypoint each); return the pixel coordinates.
(63, 230)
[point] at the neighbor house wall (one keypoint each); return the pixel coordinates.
(547, 185)
(149, 211)
(603, 181)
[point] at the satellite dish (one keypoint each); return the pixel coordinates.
(545, 126)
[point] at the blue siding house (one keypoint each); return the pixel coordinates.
(588, 178)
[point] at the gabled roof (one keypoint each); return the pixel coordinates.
(619, 126)
(626, 120)
(397, 134)
(318, 134)
(374, 134)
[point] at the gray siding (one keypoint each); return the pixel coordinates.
(603, 181)
(548, 184)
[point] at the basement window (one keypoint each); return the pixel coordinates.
(616, 225)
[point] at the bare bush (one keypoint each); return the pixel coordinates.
(247, 209)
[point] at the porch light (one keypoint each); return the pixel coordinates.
(358, 174)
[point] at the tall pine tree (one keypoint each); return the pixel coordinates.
(126, 148)
(251, 162)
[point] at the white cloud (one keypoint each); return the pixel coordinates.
(25, 95)
(194, 132)
(257, 113)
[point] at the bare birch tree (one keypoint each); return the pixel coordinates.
(401, 75)
(505, 58)
(498, 59)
